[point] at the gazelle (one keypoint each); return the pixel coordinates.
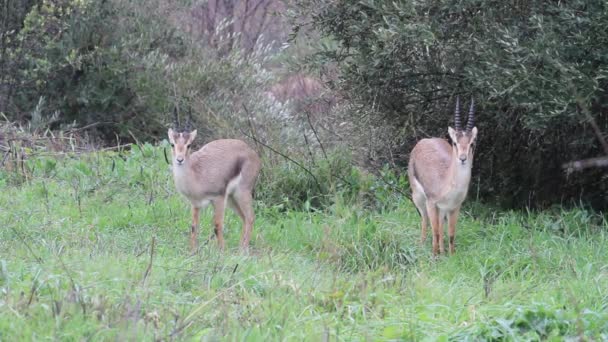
(440, 174)
(223, 172)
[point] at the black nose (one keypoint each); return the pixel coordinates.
(463, 157)
(180, 160)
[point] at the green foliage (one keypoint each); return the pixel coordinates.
(81, 57)
(536, 69)
(288, 186)
(328, 181)
(120, 67)
(536, 324)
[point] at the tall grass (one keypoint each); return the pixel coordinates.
(95, 247)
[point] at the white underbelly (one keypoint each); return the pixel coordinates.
(452, 201)
(201, 199)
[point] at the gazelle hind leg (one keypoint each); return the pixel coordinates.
(424, 216)
(232, 203)
(419, 199)
(243, 205)
(433, 213)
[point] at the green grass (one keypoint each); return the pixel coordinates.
(75, 245)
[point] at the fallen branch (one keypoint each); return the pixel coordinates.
(586, 163)
(592, 162)
(95, 124)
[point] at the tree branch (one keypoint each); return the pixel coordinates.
(585, 164)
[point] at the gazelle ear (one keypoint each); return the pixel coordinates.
(171, 133)
(473, 134)
(452, 133)
(192, 136)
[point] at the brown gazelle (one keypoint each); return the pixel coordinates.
(223, 172)
(440, 174)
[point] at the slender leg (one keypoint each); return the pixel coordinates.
(420, 202)
(441, 219)
(433, 213)
(194, 229)
(243, 203)
(218, 220)
(425, 221)
(452, 218)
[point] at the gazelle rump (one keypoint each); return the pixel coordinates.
(221, 173)
(440, 174)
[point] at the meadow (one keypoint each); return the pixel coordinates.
(95, 247)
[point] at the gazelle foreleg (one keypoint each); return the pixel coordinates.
(440, 221)
(452, 218)
(194, 229)
(219, 205)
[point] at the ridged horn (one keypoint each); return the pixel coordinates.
(457, 121)
(175, 119)
(471, 116)
(189, 122)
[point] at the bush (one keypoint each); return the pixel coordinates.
(80, 59)
(534, 68)
(287, 185)
(121, 67)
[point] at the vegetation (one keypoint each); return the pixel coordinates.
(94, 242)
(94, 246)
(121, 67)
(535, 68)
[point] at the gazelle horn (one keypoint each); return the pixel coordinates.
(457, 121)
(471, 116)
(175, 119)
(189, 122)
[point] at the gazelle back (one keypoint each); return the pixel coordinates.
(223, 172)
(440, 174)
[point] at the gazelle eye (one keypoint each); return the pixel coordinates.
(188, 146)
(172, 145)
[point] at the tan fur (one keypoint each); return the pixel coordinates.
(221, 173)
(440, 180)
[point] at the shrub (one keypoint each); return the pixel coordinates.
(291, 186)
(533, 67)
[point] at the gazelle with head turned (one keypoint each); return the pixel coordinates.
(440, 174)
(221, 173)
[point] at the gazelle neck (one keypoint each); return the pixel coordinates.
(459, 174)
(182, 176)
(181, 171)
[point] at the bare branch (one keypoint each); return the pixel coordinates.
(586, 163)
(284, 156)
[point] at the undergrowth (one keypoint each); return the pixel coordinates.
(95, 246)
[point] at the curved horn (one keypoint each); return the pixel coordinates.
(175, 119)
(189, 122)
(457, 121)
(471, 116)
